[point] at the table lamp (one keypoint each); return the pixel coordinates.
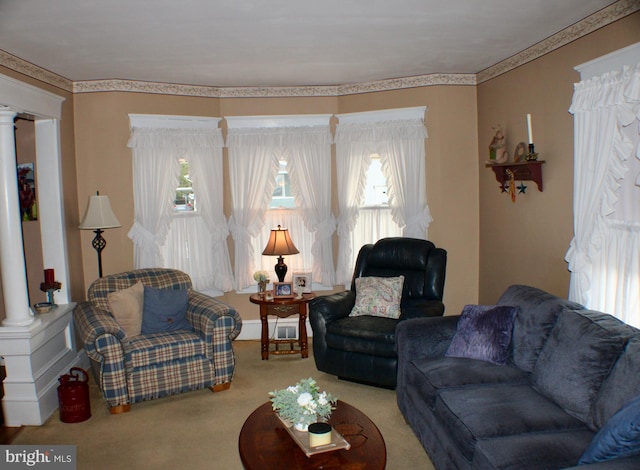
(280, 244)
(99, 216)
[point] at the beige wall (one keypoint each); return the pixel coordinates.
(491, 242)
(525, 242)
(104, 164)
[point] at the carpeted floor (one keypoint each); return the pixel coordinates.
(200, 429)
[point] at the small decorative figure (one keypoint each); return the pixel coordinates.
(497, 150)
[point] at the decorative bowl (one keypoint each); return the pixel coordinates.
(43, 307)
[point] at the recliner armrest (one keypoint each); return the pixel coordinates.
(333, 306)
(323, 310)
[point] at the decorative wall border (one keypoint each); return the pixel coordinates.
(577, 30)
(602, 18)
(31, 70)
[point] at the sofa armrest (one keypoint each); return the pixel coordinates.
(425, 337)
(629, 463)
(218, 324)
(421, 338)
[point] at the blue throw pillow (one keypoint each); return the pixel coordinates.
(165, 310)
(484, 333)
(618, 438)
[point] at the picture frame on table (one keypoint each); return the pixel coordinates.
(302, 280)
(283, 290)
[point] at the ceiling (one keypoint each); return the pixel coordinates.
(237, 43)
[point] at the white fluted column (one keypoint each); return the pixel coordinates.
(14, 276)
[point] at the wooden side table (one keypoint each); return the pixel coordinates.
(283, 308)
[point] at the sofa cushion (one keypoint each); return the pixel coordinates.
(574, 362)
(126, 306)
(481, 412)
(159, 348)
(366, 334)
(619, 437)
(428, 376)
(535, 320)
(378, 296)
(622, 384)
(558, 449)
(484, 333)
(165, 310)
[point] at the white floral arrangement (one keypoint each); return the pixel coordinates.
(303, 403)
(261, 276)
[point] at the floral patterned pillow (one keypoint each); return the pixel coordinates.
(378, 296)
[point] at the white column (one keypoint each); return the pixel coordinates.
(14, 276)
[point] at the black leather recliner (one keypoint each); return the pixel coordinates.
(362, 349)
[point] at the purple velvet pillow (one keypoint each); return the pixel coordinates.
(484, 333)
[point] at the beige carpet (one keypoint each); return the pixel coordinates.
(200, 429)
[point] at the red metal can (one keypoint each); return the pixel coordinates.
(73, 396)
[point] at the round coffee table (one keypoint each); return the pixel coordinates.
(265, 444)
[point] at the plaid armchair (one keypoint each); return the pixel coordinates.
(145, 367)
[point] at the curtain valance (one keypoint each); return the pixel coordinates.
(280, 137)
(175, 140)
(381, 131)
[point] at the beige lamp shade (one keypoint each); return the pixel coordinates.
(280, 243)
(99, 214)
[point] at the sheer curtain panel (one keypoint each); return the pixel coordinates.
(193, 242)
(397, 136)
(155, 177)
(310, 170)
(256, 145)
(252, 169)
(604, 255)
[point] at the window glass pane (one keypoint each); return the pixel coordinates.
(375, 192)
(282, 196)
(185, 199)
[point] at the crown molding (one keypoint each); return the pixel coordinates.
(602, 18)
(588, 25)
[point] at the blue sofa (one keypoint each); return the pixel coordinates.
(569, 370)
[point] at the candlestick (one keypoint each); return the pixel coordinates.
(529, 128)
(49, 276)
(532, 155)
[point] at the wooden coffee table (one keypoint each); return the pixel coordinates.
(265, 444)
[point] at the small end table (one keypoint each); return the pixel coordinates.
(283, 308)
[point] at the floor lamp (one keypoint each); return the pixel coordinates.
(98, 217)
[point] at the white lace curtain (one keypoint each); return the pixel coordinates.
(604, 255)
(194, 244)
(400, 145)
(253, 165)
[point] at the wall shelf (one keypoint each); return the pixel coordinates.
(522, 171)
